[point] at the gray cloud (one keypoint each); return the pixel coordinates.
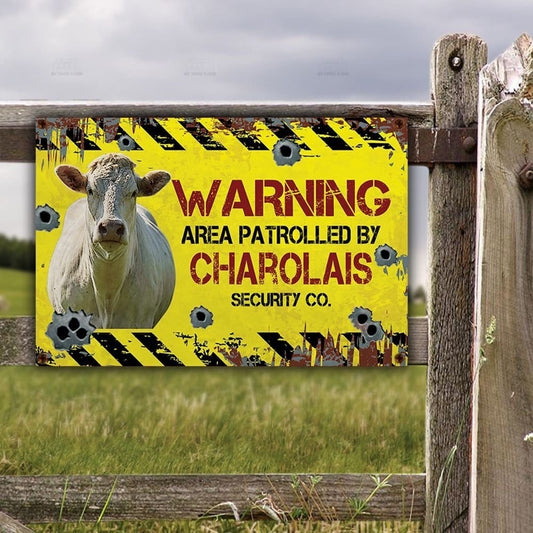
(236, 50)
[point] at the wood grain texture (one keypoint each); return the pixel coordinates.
(17, 341)
(10, 525)
(17, 144)
(452, 205)
(17, 120)
(502, 470)
(23, 114)
(38, 498)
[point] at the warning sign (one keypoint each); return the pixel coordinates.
(221, 241)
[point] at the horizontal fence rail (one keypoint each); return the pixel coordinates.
(18, 341)
(17, 120)
(23, 114)
(159, 497)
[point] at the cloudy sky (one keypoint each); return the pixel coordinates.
(234, 51)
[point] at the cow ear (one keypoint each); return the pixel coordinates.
(153, 182)
(72, 178)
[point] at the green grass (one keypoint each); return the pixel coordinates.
(99, 421)
(126, 421)
(417, 309)
(18, 288)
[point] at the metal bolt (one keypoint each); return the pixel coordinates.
(525, 177)
(469, 144)
(456, 63)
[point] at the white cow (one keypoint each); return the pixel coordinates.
(112, 260)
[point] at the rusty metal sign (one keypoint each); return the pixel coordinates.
(221, 241)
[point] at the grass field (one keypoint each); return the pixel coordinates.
(94, 421)
(417, 309)
(18, 288)
(125, 421)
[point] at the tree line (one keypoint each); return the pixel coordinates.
(17, 253)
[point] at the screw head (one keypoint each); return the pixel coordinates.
(525, 177)
(469, 144)
(456, 62)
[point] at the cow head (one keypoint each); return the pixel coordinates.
(112, 187)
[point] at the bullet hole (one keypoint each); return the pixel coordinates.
(385, 255)
(373, 331)
(362, 319)
(46, 218)
(201, 317)
(62, 332)
(72, 328)
(286, 152)
(125, 142)
(360, 316)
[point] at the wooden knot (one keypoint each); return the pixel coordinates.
(525, 177)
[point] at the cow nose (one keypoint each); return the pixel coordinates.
(111, 230)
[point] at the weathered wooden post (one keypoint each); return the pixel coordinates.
(17, 341)
(502, 444)
(457, 60)
(10, 525)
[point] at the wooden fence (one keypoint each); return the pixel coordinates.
(477, 342)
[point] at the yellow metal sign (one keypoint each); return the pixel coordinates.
(221, 242)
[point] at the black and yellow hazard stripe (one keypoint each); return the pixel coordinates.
(82, 357)
(160, 134)
(243, 129)
(78, 137)
(109, 350)
(369, 133)
(280, 127)
(158, 349)
(116, 349)
(201, 134)
(249, 132)
(152, 351)
(329, 135)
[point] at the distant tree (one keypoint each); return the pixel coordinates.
(419, 294)
(17, 253)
